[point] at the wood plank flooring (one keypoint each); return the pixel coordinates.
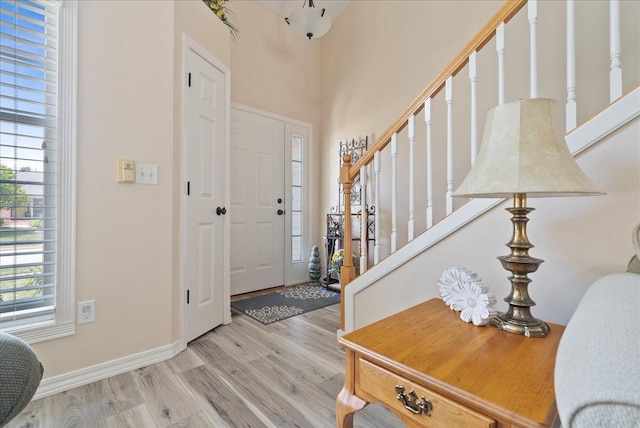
(246, 374)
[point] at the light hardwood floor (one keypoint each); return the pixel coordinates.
(246, 374)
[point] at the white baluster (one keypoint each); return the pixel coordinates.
(572, 110)
(376, 187)
(500, 50)
(394, 192)
(473, 77)
(532, 15)
(412, 137)
(615, 74)
(427, 120)
(364, 220)
(449, 99)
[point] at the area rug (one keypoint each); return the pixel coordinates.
(286, 303)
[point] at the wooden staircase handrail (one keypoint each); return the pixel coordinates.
(486, 33)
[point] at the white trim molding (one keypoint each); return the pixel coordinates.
(618, 114)
(76, 378)
(270, 115)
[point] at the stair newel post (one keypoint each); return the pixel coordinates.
(347, 272)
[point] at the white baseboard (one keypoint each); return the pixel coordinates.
(76, 378)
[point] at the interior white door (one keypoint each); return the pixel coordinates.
(257, 202)
(204, 172)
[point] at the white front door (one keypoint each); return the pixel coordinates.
(204, 153)
(257, 202)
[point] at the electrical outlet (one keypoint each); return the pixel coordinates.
(86, 311)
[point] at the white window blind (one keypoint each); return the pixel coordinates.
(28, 158)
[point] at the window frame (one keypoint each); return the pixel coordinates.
(44, 326)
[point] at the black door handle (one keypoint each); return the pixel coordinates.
(221, 211)
(280, 212)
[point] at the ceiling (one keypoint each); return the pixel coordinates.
(284, 8)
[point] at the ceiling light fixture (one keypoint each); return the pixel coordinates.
(309, 22)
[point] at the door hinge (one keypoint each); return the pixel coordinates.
(188, 188)
(187, 297)
(189, 79)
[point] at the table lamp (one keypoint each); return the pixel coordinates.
(523, 153)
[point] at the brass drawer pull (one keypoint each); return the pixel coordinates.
(410, 402)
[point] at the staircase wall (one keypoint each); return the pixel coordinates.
(580, 239)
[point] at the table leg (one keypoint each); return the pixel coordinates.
(347, 405)
(347, 402)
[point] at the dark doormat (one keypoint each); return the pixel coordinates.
(286, 303)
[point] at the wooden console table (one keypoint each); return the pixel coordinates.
(449, 373)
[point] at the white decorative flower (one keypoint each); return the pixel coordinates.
(462, 291)
(449, 285)
(477, 303)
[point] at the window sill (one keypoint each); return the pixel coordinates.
(42, 331)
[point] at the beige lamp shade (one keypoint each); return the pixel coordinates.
(523, 151)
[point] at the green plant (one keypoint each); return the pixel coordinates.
(222, 11)
(31, 282)
(8, 234)
(11, 194)
(337, 260)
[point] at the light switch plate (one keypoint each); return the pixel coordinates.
(146, 173)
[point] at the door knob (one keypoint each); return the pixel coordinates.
(280, 212)
(279, 200)
(221, 211)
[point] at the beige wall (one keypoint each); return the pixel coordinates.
(273, 69)
(125, 110)
(276, 71)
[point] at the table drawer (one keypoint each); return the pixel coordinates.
(374, 383)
